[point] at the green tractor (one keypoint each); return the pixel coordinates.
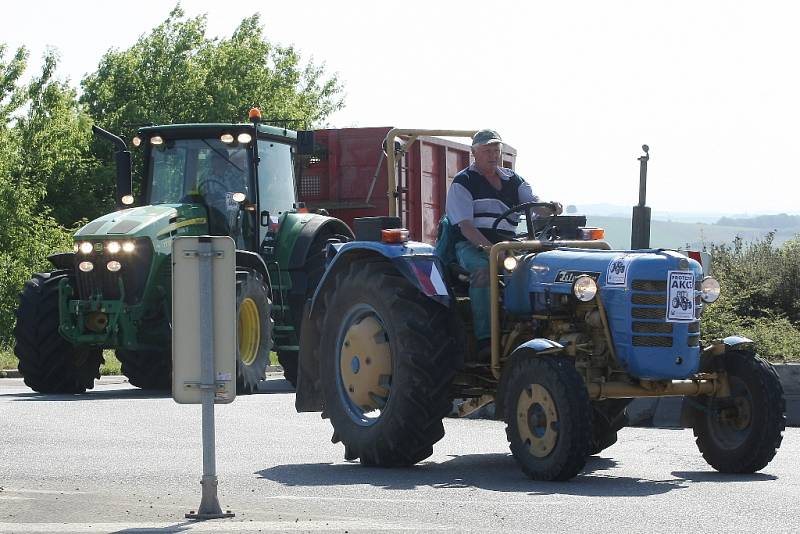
(113, 290)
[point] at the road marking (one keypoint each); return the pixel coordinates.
(223, 526)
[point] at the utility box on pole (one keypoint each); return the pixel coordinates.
(195, 317)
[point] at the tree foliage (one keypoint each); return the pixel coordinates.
(176, 74)
(28, 233)
(760, 296)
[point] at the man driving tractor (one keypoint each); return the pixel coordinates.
(478, 196)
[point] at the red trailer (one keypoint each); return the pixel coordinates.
(349, 175)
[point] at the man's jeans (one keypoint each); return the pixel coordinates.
(476, 262)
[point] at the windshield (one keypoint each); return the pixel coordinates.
(182, 170)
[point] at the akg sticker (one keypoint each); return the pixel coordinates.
(617, 273)
(680, 299)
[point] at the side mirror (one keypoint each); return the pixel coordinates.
(122, 159)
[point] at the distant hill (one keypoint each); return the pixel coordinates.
(766, 222)
(684, 235)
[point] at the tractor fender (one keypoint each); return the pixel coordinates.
(62, 260)
(532, 347)
(308, 232)
(415, 261)
(251, 260)
(732, 342)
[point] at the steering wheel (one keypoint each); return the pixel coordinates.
(527, 209)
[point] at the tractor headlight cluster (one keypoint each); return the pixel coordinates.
(584, 288)
(709, 289)
(112, 247)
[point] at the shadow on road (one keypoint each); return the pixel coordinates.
(128, 393)
(495, 472)
(714, 476)
(179, 527)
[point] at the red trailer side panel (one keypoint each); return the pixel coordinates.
(347, 177)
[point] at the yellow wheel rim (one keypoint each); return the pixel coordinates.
(365, 364)
(249, 331)
(537, 420)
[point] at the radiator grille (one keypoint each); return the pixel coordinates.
(652, 341)
(133, 274)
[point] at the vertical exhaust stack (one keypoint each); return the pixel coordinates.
(122, 158)
(640, 223)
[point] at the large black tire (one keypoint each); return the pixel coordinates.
(147, 369)
(47, 362)
(742, 433)
(386, 365)
(313, 268)
(254, 328)
(549, 417)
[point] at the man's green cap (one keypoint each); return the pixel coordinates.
(486, 137)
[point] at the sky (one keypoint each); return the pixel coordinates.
(577, 87)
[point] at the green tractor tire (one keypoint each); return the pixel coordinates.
(254, 331)
(47, 362)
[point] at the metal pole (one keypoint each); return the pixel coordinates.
(209, 503)
(640, 222)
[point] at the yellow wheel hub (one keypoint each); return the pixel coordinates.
(249, 327)
(365, 364)
(537, 420)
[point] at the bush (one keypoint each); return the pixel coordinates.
(760, 296)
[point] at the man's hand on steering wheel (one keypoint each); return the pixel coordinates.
(529, 208)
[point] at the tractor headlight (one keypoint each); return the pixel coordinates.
(244, 138)
(113, 247)
(709, 290)
(510, 263)
(85, 266)
(86, 248)
(113, 266)
(128, 246)
(584, 288)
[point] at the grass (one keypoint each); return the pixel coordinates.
(110, 367)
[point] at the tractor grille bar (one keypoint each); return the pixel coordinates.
(648, 314)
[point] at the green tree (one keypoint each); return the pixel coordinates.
(178, 74)
(28, 233)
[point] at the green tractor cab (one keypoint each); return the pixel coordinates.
(113, 290)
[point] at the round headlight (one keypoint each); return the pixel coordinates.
(85, 266)
(244, 138)
(86, 247)
(510, 263)
(709, 289)
(128, 246)
(238, 197)
(127, 200)
(584, 288)
(113, 247)
(113, 266)
(156, 140)
(136, 140)
(226, 138)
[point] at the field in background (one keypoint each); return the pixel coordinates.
(667, 234)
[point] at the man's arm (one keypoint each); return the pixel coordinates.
(474, 235)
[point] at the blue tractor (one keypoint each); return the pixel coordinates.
(578, 331)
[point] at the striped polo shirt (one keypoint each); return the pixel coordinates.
(471, 197)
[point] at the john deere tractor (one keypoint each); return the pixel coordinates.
(112, 291)
(578, 330)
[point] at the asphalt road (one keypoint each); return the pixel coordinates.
(121, 460)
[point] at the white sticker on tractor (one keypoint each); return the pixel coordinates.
(680, 297)
(617, 273)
